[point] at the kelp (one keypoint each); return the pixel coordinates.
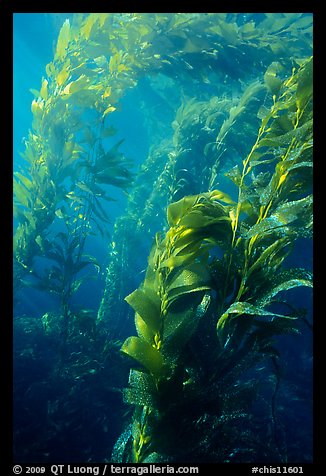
(211, 301)
(275, 221)
(133, 230)
(216, 130)
(161, 352)
(61, 140)
(186, 293)
(176, 282)
(172, 170)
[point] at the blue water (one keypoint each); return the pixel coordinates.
(34, 45)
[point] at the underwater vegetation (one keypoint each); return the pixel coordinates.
(221, 200)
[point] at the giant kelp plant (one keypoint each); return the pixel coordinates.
(180, 390)
(233, 170)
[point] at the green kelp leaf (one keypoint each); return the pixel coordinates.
(178, 209)
(268, 225)
(143, 330)
(284, 140)
(153, 457)
(219, 195)
(75, 198)
(145, 354)
(89, 260)
(192, 209)
(229, 32)
(88, 24)
(300, 165)
(41, 243)
(290, 211)
(21, 194)
(177, 297)
(240, 308)
(121, 448)
(118, 171)
(44, 89)
(32, 223)
(196, 219)
(108, 179)
(185, 287)
(180, 326)
(64, 73)
(263, 113)
(188, 241)
(21, 218)
(35, 92)
(234, 174)
(282, 216)
(141, 390)
(110, 158)
(287, 279)
(302, 23)
(267, 255)
(76, 86)
(24, 180)
(142, 381)
(86, 188)
(194, 277)
(248, 30)
(175, 323)
(197, 246)
(305, 84)
(101, 62)
(184, 259)
(63, 39)
(60, 213)
(272, 81)
(147, 305)
(179, 329)
(186, 110)
(283, 123)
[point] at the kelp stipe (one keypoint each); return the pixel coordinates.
(182, 381)
(171, 171)
(178, 363)
(169, 307)
(279, 212)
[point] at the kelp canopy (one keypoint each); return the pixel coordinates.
(224, 193)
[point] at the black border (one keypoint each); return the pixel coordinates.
(7, 9)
